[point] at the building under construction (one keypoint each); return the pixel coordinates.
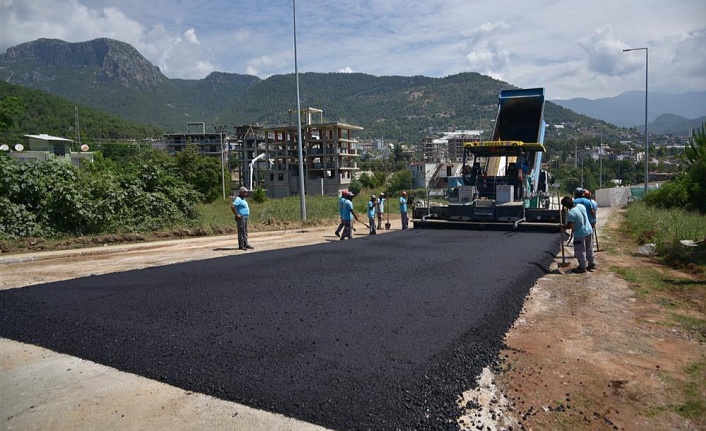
(329, 155)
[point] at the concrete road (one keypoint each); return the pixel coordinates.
(382, 332)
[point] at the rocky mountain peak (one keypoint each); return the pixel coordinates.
(117, 61)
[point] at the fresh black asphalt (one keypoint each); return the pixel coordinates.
(381, 333)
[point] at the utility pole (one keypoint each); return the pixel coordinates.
(77, 127)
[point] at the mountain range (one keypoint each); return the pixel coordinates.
(114, 77)
(667, 113)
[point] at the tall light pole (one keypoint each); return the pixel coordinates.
(647, 144)
(302, 197)
(600, 157)
(582, 170)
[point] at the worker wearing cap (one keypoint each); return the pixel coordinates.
(372, 209)
(577, 220)
(381, 209)
(341, 202)
(347, 216)
(591, 214)
(241, 209)
(581, 199)
(403, 210)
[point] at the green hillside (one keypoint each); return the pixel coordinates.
(53, 115)
(112, 76)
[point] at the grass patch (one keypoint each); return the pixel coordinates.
(665, 228)
(214, 218)
(693, 394)
(646, 280)
(271, 214)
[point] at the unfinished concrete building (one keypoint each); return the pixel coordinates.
(329, 156)
(248, 156)
(207, 143)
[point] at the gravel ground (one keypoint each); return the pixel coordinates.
(383, 332)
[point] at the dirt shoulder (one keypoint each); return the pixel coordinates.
(594, 351)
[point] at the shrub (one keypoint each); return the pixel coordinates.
(258, 195)
(52, 198)
(355, 187)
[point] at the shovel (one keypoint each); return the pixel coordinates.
(387, 223)
(595, 232)
(563, 264)
(363, 223)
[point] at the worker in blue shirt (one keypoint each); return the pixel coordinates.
(241, 209)
(341, 201)
(581, 199)
(577, 220)
(372, 209)
(347, 216)
(591, 214)
(381, 209)
(403, 210)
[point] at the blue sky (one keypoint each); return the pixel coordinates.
(571, 48)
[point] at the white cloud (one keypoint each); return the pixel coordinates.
(518, 42)
(605, 53)
(185, 58)
(190, 36)
(256, 66)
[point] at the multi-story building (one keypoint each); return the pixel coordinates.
(329, 156)
(208, 143)
(449, 147)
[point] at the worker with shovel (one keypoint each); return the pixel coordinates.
(592, 216)
(341, 202)
(347, 216)
(403, 210)
(577, 220)
(372, 207)
(381, 209)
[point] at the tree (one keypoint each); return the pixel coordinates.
(202, 172)
(686, 190)
(401, 180)
(11, 108)
(695, 151)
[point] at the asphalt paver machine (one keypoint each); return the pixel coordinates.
(502, 183)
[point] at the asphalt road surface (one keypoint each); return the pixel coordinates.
(381, 332)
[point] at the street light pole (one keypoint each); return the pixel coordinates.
(302, 197)
(582, 172)
(600, 157)
(647, 145)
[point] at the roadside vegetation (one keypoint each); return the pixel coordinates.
(681, 298)
(676, 211)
